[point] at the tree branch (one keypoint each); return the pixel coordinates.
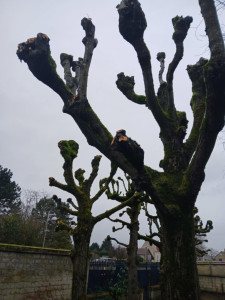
(90, 43)
(126, 85)
(69, 151)
(198, 104)
(130, 148)
(66, 62)
(150, 240)
(181, 26)
(132, 24)
(95, 167)
(36, 53)
(63, 187)
(119, 221)
(108, 213)
(70, 201)
(63, 207)
(114, 239)
(213, 30)
(106, 181)
(63, 226)
(214, 78)
(161, 58)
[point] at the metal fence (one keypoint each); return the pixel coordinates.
(103, 274)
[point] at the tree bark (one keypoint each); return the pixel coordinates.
(80, 259)
(132, 262)
(178, 269)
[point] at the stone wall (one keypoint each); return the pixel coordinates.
(30, 273)
(212, 277)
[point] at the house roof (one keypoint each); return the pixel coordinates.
(143, 251)
(152, 248)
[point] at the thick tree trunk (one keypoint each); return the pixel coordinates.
(80, 261)
(132, 293)
(179, 270)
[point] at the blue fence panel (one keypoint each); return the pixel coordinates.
(102, 274)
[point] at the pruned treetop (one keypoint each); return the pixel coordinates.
(184, 160)
(80, 189)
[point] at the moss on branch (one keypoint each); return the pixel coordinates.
(68, 150)
(181, 26)
(36, 53)
(108, 213)
(198, 102)
(126, 85)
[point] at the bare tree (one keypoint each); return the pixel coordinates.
(174, 190)
(201, 233)
(133, 212)
(81, 229)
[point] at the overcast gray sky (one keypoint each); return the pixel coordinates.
(32, 122)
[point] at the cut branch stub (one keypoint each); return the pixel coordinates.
(36, 53)
(133, 152)
(51, 181)
(95, 167)
(24, 49)
(76, 67)
(68, 150)
(161, 58)
(126, 85)
(89, 28)
(120, 135)
(181, 26)
(79, 175)
(132, 22)
(66, 62)
(66, 57)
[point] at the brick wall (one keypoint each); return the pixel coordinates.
(30, 273)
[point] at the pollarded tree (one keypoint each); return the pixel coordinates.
(9, 192)
(82, 210)
(133, 211)
(174, 190)
(200, 234)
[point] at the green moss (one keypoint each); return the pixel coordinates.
(79, 175)
(52, 63)
(140, 99)
(22, 248)
(68, 149)
(96, 119)
(55, 82)
(95, 162)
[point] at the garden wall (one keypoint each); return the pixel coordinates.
(30, 273)
(212, 279)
